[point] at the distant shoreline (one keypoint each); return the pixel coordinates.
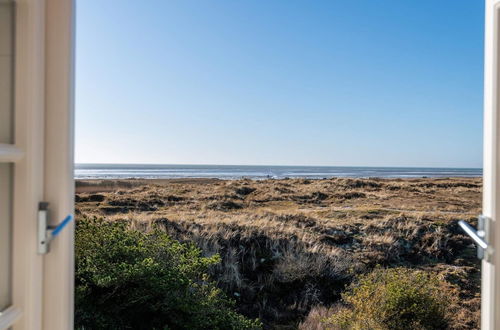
(237, 172)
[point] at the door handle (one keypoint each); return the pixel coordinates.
(47, 233)
(479, 236)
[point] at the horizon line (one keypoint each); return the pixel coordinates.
(263, 165)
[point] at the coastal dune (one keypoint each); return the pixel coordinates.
(289, 247)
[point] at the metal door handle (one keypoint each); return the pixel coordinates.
(47, 233)
(479, 236)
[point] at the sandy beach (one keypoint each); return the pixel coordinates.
(289, 247)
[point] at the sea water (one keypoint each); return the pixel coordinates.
(123, 171)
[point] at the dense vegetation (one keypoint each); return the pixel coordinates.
(290, 248)
(127, 279)
(397, 298)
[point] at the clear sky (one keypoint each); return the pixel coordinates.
(274, 82)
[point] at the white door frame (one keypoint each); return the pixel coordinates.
(28, 177)
(42, 285)
(490, 295)
(59, 186)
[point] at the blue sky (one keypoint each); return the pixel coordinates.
(361, 83)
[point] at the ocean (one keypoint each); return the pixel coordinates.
(123, 171)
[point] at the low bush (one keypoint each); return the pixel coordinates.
(397, 298)
(126, 279)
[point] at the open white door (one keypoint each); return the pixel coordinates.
(36, 161)
(490, 292)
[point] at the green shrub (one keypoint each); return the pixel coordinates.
(397, 298)
(127, 279)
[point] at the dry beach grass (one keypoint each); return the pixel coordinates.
(290, 247)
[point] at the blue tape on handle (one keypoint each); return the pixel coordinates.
(61, 226)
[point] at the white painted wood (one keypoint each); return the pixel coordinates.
(42, 286)
(10, 153)
(9, 316)
(490, 295)
(59, 184)
(29, 104)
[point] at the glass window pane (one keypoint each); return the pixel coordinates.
(5, 233)
(6, 136)
(6, 70)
